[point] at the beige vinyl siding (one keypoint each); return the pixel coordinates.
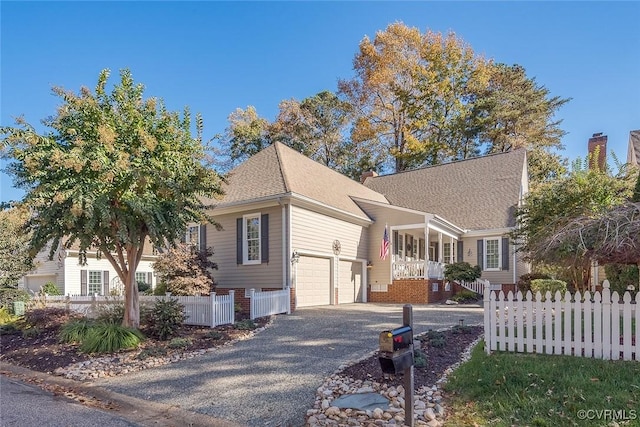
(380, 272)
(45, 267)
(232, 275)
(471, 256)
(312, 231)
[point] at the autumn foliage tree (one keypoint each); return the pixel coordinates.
(113, 171)
(16, 258)
(186, 271)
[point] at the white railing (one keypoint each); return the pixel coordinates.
(269, 302)
(435, 270)
(408, 270)
(596, 325)
(212, 310)
(478, 286)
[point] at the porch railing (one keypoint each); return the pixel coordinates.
(415, 270)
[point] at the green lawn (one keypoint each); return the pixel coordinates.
(516, 389)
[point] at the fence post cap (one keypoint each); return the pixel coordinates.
(606, 284)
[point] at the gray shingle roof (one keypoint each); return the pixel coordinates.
(279, 169)
(478, 193)
(633, 156)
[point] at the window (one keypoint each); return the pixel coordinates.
(434, 287)
(491, 254)
(95, 282)
(447, 287)
(142, 277)
(251, 233)
(193, 236)
(446, 253)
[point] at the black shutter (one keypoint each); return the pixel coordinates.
(460, 251)
(481, 253)
(395, 243)
(83, 282)
(505, 253)
(105, 282)
(264, 243)
(203, 238)
(239, 240)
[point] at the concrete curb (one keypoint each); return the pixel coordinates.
(142, 412)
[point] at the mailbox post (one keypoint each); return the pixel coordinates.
(396, 356)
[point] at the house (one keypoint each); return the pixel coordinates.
(97, 276)
(289, 222)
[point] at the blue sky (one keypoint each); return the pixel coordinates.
(218, 56)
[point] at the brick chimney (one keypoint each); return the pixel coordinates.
(369, 174)
(598, 142)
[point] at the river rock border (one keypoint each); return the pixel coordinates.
(428, 407)
(123, 363)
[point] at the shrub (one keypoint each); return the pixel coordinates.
(160, 289)
(165, 318)
(75, 331)
(245, 325)
(31, 332)
(462, 271)
(110, 313)
(8, 329)
(49, 317)
(622, 276)
(215, 335)
(50, 288)
(143, 287)
(544, 285)
(419, 358)
(466, 296)
(9, 295)
(180, 343)
(524, 283)
(109, 338)
(6, 317)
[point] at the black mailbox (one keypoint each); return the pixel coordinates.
(396, 339)
(396, 350)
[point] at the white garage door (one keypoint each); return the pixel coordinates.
(350, 284)
(34, 283)
(313, 281)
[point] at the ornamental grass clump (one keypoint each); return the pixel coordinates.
(109, 338)
(75, 331)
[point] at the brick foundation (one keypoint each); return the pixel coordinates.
(413, 291)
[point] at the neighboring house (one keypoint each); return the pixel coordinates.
(96, 277)
(289, 222)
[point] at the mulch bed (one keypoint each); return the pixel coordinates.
(44, 353)
(442, 350)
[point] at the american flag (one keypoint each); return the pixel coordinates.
(384, 246)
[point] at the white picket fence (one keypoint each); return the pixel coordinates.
(212, 310)
(594, 325)
(478, 286)
(269, 302)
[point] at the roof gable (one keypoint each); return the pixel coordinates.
(280, 170)
(478, 193)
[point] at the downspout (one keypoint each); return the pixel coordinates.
(284, 244)
(515, 270)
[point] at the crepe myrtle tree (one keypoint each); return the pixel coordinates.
(112, 172)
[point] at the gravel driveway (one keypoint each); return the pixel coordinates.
(270, 380)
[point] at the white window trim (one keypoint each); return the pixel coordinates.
(245, 242)
(188, 239)
(484, 255)
(89, 283)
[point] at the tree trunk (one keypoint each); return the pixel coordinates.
(132, 303)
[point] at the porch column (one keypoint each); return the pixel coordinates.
(426, 248)
(440, 247)
(451, 251)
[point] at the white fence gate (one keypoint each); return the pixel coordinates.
(269, 302)
(594, 325)
(212, 310)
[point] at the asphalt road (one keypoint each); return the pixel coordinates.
(270, 380)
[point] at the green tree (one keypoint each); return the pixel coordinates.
(246, 135)
(15, 257)
(551, 206)
(113, 171)
(185, 271)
